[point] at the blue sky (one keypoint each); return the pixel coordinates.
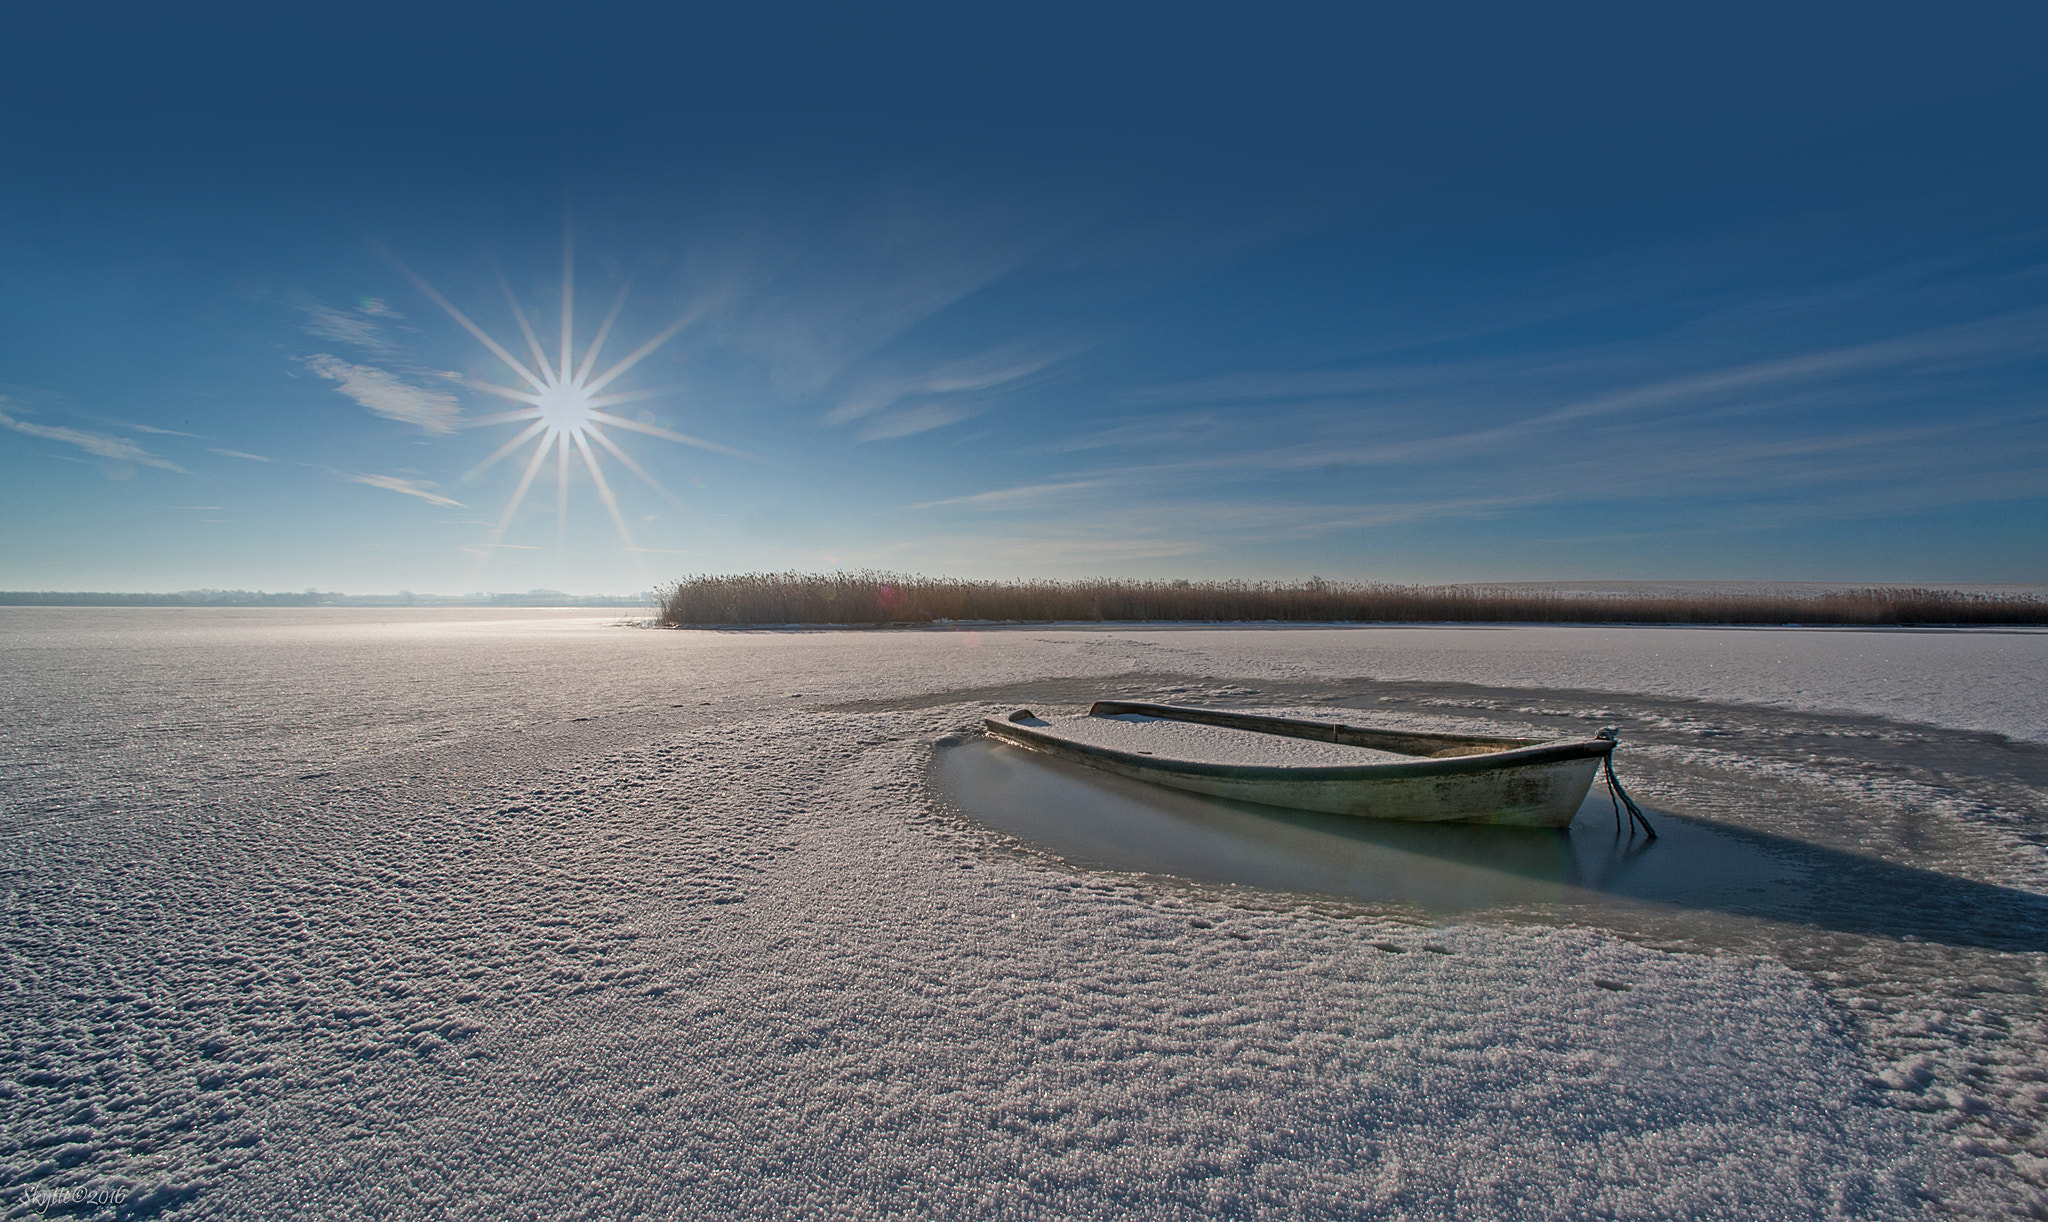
(1442, 293)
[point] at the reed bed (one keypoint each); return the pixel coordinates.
(876, 598)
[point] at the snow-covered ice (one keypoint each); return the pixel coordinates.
(517, 914)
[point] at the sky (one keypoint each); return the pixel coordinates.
(1445, 293)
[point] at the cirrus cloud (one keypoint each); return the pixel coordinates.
(388, 395)
(354, 327)
(104, 445)
(410, 487)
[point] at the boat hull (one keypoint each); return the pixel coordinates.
(1541, 785)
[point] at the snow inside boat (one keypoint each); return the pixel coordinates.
(1323, 766)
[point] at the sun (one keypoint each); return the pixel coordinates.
(564, 401)
(566, 408)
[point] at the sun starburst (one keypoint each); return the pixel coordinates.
(565, 401)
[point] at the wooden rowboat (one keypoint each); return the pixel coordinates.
(1323, 766)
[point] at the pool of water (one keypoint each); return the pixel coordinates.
(1695, 869)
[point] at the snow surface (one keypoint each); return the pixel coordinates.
(374, 913)
(1965, 679)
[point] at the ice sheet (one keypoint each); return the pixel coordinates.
(400, 914)
(1967, 679)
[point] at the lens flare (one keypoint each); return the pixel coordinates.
(564, 401)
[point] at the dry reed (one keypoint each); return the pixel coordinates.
(868, 597)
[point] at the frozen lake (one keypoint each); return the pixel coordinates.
(528, 914)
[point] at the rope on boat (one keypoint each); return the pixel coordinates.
(1619, 796)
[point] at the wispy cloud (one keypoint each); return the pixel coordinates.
(1980, 343)
(423, 489)
(103, 445)
(237, 454)
(1248, 521)
(1419, 419)
(922, 418)
(815, 291)
(357, 327)
(1011, 496)
(1149, 432)
(150, 428)
(1806, 464)
(982, 372)
(1291, 384)
(1968, 344)
(1065, 552)
(389, 395)
(898, 405)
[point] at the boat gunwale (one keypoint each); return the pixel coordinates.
(1535, 754)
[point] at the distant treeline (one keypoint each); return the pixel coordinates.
(867, 597)
(184, 598)
(312, 598)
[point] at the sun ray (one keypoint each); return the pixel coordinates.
(517, 413)
(612, 447)
(604, 490)
(561, 482)
(504, 392)
(640, 354)
(540, 356)
(483, 337)
(519, 439)
(669, 435)
(603, 332)
(568, 296)
(560, 403)
(540, 454)
(632, 396)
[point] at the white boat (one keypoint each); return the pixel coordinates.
(1324, 766)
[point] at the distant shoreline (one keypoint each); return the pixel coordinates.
(867, 600)
(312, 598)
